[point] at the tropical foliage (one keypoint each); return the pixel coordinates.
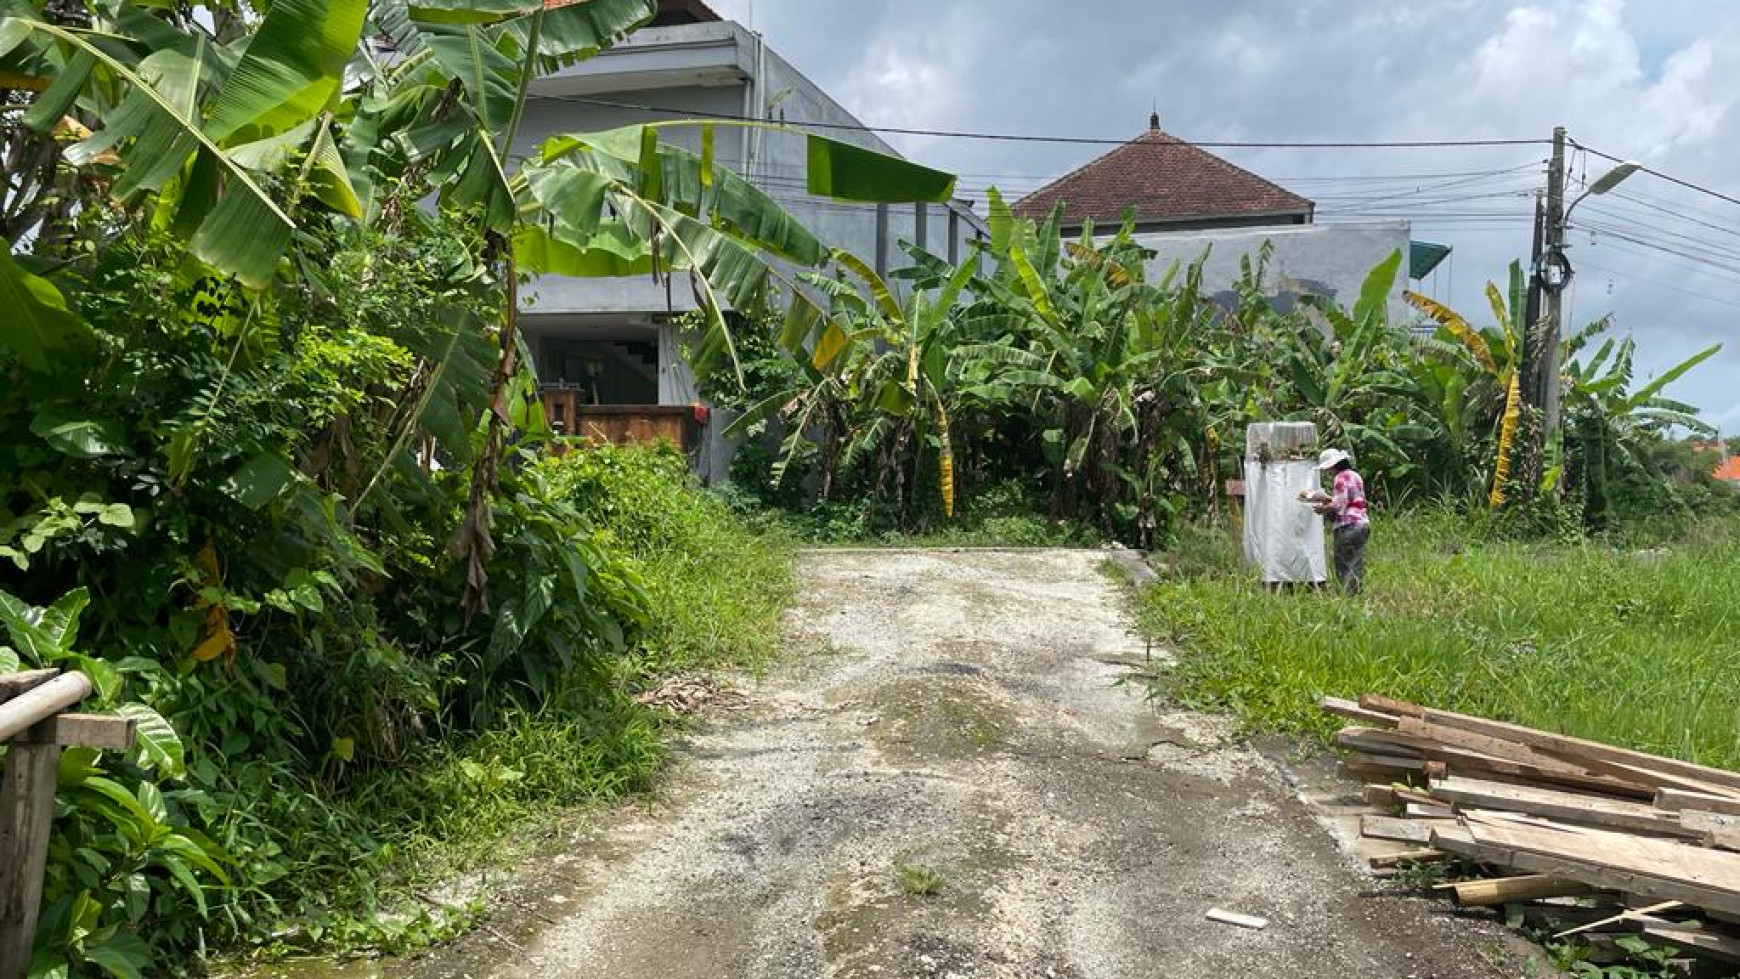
(1117, 393)
(260, 369)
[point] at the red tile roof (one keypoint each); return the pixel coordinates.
(1729, 470)
(1165, 179)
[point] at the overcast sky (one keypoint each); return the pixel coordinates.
(1652, 80)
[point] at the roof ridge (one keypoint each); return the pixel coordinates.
(1190, 184)
(1085, 166)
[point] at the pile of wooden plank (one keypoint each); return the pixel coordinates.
(1561, 830)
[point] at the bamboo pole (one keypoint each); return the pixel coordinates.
(43, 702)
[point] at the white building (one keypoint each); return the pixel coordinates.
(609, 346)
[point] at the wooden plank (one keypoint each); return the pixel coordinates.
(42, 702)
(1377, 741)
(1505, 890)
(1459, 841)
(1465, 749)
(1382, 796)
(1662, 869)
(1568, 806)
(1421, 855)
(1347, 708)
(104, 731)
(1362, 759)
(1677, 799)
(1438, 811)
(1712, 828)
(13, 684)
(26, 813)
(1388, 705)
(1594, 755)
(1399, 830)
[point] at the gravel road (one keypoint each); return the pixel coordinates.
(963, 715)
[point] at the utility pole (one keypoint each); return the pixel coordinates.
(1538, 321)
(1554, 276)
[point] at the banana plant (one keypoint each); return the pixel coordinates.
(1611, 423)
(1498, 353)
(878, 371)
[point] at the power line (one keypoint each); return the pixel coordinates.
(1661, 285)
(1662, 176)
(1076, 140)
(1728, 250)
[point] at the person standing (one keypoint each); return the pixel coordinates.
(1351, 527)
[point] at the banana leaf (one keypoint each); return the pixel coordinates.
(291, 71)
(846, 172)
(35, 323)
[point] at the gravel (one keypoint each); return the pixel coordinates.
(978, 713)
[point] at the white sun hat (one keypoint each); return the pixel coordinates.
(1331, 458)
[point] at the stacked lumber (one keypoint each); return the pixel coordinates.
(1560, 830)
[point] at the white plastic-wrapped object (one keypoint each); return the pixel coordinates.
(1283, 535)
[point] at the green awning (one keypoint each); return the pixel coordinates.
(1423, 257)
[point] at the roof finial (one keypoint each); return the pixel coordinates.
(1154, 117)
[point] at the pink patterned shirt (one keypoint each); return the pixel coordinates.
(1348, 504)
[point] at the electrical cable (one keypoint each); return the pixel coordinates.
(1077, 140)
(1689, 185)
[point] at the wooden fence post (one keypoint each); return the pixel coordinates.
(34, 727)
(26, 811)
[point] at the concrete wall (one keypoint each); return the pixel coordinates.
(721, 69)
(1329, 260)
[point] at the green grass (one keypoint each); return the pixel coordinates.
(1638, 646)
(715, 585)
(918, 880)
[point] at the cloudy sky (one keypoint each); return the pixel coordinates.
(1651, 80)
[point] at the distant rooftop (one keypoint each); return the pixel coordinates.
(1166, 182)
(683, 12)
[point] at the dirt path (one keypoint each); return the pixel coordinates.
(964, 715)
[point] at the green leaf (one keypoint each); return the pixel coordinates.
(846, 172)
(80, 437)
(184, 877)
(151, 798)
(575, 31)
(743, 208)
(895, 399)
(260, 480)
(43, 635)
(121, 954)
(291, 70)
(344, 749)
(57, 100)
(247, 231)
(157, 745)
(613, 252)
(1374, 294)
(573, 195)
(35, 324)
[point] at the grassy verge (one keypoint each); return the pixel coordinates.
(1639, 646)
(715, 586)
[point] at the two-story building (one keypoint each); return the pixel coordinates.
(609, 351)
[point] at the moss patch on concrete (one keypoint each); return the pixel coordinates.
(940, 716)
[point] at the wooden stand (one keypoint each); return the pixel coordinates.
(32, 724)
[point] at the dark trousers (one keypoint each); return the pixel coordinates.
(1350, 556)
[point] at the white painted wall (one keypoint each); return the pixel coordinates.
(1315, 259)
